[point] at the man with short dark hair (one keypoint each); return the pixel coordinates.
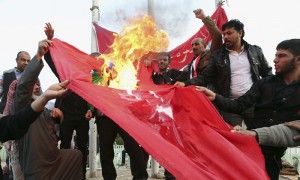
(166, 75)
(233, 69)
(276, 99)
(9, 76)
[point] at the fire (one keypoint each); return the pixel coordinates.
(138, 38)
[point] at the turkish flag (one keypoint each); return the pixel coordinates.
(179, 127)
(105, 38)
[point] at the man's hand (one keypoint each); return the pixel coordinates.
(57, 113)
(88, 115)
(43, 48)
(211, 95)
(240, 130)
(147, 62)
(5, 170)
(49, 31)
(179, 84)
(199, 13)
(294, 125)
(54, 91)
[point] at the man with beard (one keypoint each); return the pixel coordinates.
(166, 75)
(276, 99)
(233, 69)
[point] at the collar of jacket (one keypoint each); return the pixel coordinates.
(204, 53)
(244, 43)
(157, 73)
(278, 78)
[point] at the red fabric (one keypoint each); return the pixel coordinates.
(104, 36)
(179, 127)
(183, 54)
(194, 66)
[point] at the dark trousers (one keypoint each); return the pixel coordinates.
(3, 176)
(81, 127)
(273, 162)
(168, 175)
(108, 130)
(1, 173)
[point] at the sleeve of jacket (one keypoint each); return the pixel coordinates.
(215, 34)
(26, 83)
(50, 63)
(242, 103)
(277, 136)
(265, 69)
(177, 75)
(15, 126)
(207, 76)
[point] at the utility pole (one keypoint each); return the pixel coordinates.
(154, 163)
(93, 129)
(151, 8)
(217, 3)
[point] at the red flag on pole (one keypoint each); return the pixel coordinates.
(105, 38)
(179, 127)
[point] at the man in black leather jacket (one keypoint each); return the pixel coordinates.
(166, 75)
(276, 99)
(233, 69)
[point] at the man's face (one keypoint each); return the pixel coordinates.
(36, 89)
(197, 47)
(163, 63)
(284, 62)
(22, 61)
(231, 38)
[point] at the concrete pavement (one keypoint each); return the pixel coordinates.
(125, 174)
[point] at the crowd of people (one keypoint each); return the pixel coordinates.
(232, 73)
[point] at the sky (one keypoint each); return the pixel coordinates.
(22, 23)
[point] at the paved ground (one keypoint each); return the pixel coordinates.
(125, 174)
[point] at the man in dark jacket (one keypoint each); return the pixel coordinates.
(9, 76)
(276, 99)
(166, 75)
(74, 109)
(233, 69)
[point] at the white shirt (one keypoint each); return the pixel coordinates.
(241, 80)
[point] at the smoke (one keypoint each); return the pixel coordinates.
(176, 17)
(171, 16)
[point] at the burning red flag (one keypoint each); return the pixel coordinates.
(179, 127)
(182, 54)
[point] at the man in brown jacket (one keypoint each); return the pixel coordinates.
(202, 54)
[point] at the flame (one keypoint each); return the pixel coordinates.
(138, 38)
